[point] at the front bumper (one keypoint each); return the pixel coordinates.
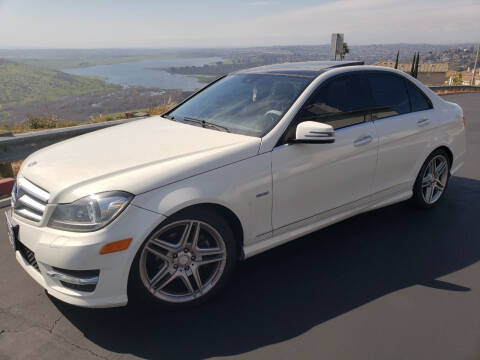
(56, 249)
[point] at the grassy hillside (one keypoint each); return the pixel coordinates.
(22, 83)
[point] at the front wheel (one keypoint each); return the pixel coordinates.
(186, 261)
(432, 180)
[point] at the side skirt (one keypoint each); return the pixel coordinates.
(304, 227)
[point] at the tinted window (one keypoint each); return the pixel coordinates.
(389, 95)
(417, 99)
(340, 102)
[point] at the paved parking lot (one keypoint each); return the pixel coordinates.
(396, 283)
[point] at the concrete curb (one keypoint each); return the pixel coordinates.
(6, 186)
(5, 202)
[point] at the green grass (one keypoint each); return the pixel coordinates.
(22, 83)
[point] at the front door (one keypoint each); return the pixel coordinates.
(309, 179)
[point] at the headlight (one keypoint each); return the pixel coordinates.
(90, 213)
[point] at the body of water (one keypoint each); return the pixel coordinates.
(139, 73)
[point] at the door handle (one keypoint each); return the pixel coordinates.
(423, 122)
(363, 140)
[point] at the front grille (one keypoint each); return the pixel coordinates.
(29, 201)
(27, 254)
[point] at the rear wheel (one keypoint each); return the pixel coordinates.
(432, 180)
(186, 261)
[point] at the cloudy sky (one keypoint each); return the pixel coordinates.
(230, 23)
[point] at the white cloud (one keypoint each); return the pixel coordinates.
(369, 21)
(362, 22)
(259, 3)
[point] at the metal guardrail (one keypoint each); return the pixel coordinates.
(17, 147)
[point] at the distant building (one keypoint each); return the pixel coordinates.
(452, 73)
(467, 77)
(429, 74)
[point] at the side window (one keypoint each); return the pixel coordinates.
(340, 102)
(389, 95)
(418, 100)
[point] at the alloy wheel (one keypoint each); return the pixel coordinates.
(182, 261)
(434, 179)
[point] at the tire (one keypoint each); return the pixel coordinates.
(171, 276)
(432, 181)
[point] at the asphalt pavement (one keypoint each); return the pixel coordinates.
(395, 283)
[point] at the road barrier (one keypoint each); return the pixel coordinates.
(452, 89)
(18, 147)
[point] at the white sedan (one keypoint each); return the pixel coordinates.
(162, 209)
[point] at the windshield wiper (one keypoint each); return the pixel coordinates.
(206, 124)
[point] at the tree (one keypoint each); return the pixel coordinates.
(416, 64)
(345, 51)
(412, 68)
(396, 60)
(457, 79)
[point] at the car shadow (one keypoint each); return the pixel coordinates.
(283, 293)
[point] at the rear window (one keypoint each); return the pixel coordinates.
(389, 95)
(418, 100)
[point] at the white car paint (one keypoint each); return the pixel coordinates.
(278, 193)
(155, 150)
(332, 166)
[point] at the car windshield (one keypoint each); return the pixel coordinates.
(249, 104)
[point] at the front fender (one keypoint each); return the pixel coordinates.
(235, 186)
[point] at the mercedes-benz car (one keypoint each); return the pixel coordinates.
(162, 209)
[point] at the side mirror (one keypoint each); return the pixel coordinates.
(311, 132)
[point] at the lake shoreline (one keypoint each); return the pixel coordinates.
(152, 73)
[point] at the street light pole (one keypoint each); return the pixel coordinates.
(475, 66)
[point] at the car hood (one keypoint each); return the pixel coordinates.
(136, 157)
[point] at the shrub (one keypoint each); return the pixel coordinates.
(47, 121)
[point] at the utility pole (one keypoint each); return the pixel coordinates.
(336, 46)
(475, 67)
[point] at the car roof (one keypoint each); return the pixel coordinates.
(305, 68)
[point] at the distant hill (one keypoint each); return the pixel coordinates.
(22, 83)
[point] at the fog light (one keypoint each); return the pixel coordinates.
(82, 280)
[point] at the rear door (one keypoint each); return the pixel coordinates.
(403, 118)
(309, 179)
